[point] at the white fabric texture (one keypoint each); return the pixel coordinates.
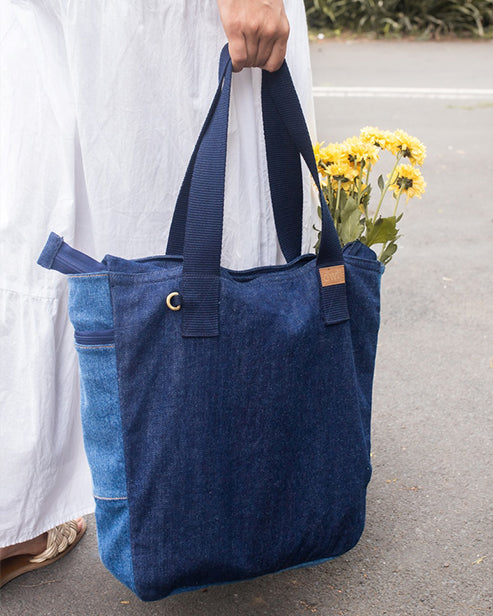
(101, 104)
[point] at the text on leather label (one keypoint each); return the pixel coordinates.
(332, 275)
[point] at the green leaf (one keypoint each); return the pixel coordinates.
(348, 205)
(388, 253)
(383, 230)
(381, 183)
(351, 226)
(343, 200)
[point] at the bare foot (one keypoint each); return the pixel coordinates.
(31, 547)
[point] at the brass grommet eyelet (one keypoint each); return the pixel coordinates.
(169, 301)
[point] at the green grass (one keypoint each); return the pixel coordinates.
(387, 18)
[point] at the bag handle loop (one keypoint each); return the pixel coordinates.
(204, 222)
(286, 190)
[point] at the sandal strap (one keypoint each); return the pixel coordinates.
(59, 539)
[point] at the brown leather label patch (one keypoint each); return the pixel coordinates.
(332, 275)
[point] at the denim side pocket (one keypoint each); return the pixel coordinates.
(92, 317)
(101, 419)
(103, 439)
(113, 528)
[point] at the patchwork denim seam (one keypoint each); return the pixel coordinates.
(95, 275)
(94, 346)
(120, 402)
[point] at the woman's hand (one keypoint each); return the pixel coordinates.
(257, 32)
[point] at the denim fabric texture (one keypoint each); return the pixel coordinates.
(90, 311)
(247, 453)
(226, 458)
(235, 443)
(113, 530)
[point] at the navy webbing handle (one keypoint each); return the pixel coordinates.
(286, 190)
(204, 216)
(176, 237)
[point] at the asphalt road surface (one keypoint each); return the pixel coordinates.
(427, 547)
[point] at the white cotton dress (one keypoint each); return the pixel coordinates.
(101, 104)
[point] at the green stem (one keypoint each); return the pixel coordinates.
(368, 174)
(397, 201)
(360, 185)
(330, 198)
(327, 195)
(386, 187)
(382, 251)
(337, 204)
(394, 215)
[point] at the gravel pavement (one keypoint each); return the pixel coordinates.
(427, 547)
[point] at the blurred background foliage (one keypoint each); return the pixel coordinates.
(421, 18)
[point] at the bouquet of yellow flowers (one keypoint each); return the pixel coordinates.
(345, 169)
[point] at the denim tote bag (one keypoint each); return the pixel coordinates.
(226, 414)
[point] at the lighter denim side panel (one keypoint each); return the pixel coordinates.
(90, 302)
(113, 528)
(101, 420)
(91, 311)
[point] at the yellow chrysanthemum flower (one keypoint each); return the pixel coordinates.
(384, 139)
(409, 180)
(342, 171)
(347, 186)
(410, 147)
(317, 151)
(351, 188)
(334, 153)
(317, 147)
(328, 155)
(358, 151)
(342, 174)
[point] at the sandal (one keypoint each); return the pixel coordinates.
(61, 540)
